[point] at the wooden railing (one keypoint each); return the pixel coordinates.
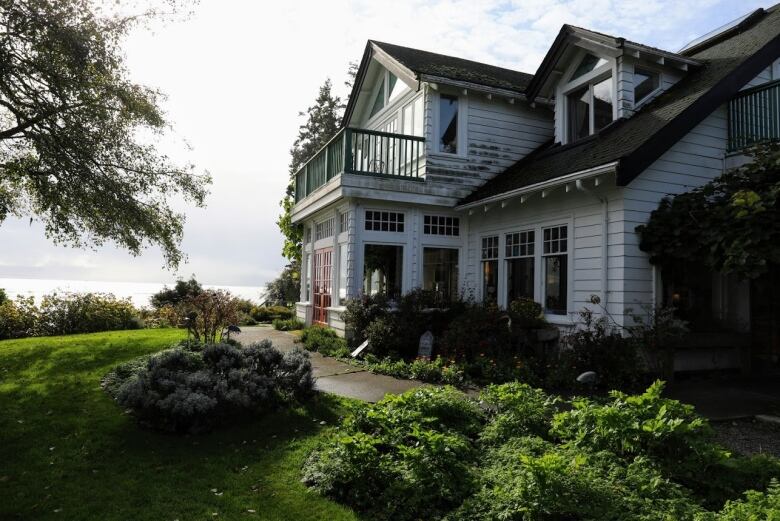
(754, 116)
(364, 152)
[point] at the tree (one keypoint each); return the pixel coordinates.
(729, 225)
(76, 135)
(285, 289)
(181, 291)
(322, 123)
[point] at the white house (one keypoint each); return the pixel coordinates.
(467, 178)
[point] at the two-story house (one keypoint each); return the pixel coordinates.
(466, 178)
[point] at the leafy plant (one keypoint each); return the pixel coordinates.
(208, 314)
(325, 341)
(289, 324)
(516, 409)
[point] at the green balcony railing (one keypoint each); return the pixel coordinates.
(754, 116)
(364, 152)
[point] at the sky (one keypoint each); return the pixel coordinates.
(237, 73)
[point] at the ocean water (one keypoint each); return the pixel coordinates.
(138, 292)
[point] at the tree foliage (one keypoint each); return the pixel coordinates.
(285, 289)
(77, 136)
(181, 291)
(730, 225)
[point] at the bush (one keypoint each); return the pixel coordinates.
(406, 457)
(71, 313)
(516, 409)
(181, 291)
(289, 324)
(267, 314)
(208, 313)
(180, 390)
(360, 313)
(19, 318)
(437, 370)
(325, 341)
(756, 506)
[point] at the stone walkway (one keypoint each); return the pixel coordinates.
(331, 375)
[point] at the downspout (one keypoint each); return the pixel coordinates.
(604, 241)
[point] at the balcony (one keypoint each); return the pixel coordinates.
(362, 152)
(754, 116)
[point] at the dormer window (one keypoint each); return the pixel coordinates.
(589, 108)
(588, 63)
(645, 83)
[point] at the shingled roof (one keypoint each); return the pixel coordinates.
(459, 69)
(634, 143)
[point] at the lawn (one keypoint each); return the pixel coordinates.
(68, 452)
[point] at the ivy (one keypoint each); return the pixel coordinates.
(730, 225)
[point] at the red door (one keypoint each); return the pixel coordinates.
(323, 268)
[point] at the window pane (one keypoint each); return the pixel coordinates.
(490, 282)
(308, 278)
(382, 270)
(645, 82)
(520, 278)
(417, 129)
(579, 114)
(602, 104)
(342, 273)
(379, 101)
(448, 124)
(408, 124)
(555, 282)
(440, 271)
(395, 87)
(588, 63)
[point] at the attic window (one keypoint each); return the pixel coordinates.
(379, 101)
(589, 109)
(394, 87)
(645, 82)
(589, 62)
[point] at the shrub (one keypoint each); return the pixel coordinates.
(437, 370)
(516, 409)
(360, 313)
(179, 390)
(755, 506)
(527, 314)
(267, 314)
(530, 478)
(69, 313)
(208, 314)
(597, 346)
(406, 457)
(181, 291)
(325, 341)
(289, 324)
(18, 318)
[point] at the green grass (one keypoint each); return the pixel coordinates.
(68, 452)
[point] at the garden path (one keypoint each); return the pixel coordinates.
(331, 375)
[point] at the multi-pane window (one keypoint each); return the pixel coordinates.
(380, 221)
(520, 265)
(520, 244)
(448, 124)
(490, 269)
(324, 229)
(343, 222)
(555, 258)
(441, 225)
(589, 109)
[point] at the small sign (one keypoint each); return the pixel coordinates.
(426, 346)
(362, 347)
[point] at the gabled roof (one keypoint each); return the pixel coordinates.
(634, 143)
(433, 65)
(571, 35)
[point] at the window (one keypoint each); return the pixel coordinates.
(441, 225)
(589, 109)
(589, 62)
(645, 82)
(377, 221)
(343, 222)
(342, 273)
(324, 229)
(440, 271)
(413, 118)
(390, 89)
(309, 274)
(307, 238)
(490, 269)
(448, 124)
(520, 265)
(555, 258)
(382, 269)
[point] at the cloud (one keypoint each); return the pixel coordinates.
(237, 74)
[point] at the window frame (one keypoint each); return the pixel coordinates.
(462, 142)
(402, 222)
(650, 95)
(592, 78)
